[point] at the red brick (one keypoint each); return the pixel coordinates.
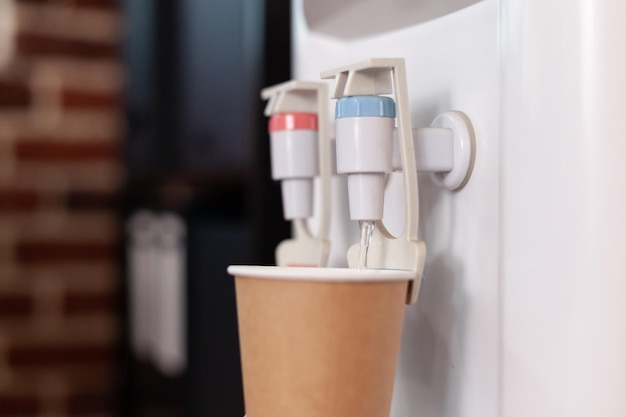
(93, 330)
(75, 126)
(100, 4)
(91, 200)
(18, 405)
(77, 303)
(61, 252)
(14, 95)
(15, 305)
(59, 356)
(80, 276)
(83, 403)
(63, 151)
(80, 99)
(31, 44)
(18, 200)
(61, 135)
(21, 200)
(95, 4)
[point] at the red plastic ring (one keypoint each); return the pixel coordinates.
(293, 121)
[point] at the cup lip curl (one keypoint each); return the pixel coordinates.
(317, 274)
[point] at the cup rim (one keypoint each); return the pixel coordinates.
(318, 274)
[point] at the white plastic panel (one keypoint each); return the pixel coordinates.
(523, 309)
(357, 18)
(449, 356)
(564, 209)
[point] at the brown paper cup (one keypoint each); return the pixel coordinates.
(319, 342)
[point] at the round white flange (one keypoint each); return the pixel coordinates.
(464, 149)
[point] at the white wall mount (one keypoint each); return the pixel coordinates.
(306, 248)
(381, 76)
(446, 149)
(463, 149)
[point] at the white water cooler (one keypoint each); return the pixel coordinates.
(522, 312)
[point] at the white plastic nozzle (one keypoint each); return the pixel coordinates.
(365, 127)
(297, 198)
(294, 154)
(295, 161)
(366, 192)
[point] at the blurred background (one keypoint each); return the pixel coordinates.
(134, 167)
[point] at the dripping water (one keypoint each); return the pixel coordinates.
(367, 229)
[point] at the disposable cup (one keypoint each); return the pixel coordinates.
(319, 342)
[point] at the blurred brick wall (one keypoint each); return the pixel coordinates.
(60, 133)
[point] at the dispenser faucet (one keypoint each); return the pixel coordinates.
(300, 152)
(360, 89)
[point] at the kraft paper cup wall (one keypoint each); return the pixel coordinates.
(319, 342)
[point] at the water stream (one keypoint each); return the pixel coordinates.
(367, 229)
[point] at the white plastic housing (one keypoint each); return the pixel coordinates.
(297, 198)
(294, 156)
(364, 144)
(449, 362)
(447, 150)
(522, 309)
(366, 196)
(364, 150)
(433, 150)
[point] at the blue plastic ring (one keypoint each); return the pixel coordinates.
(365, 106)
